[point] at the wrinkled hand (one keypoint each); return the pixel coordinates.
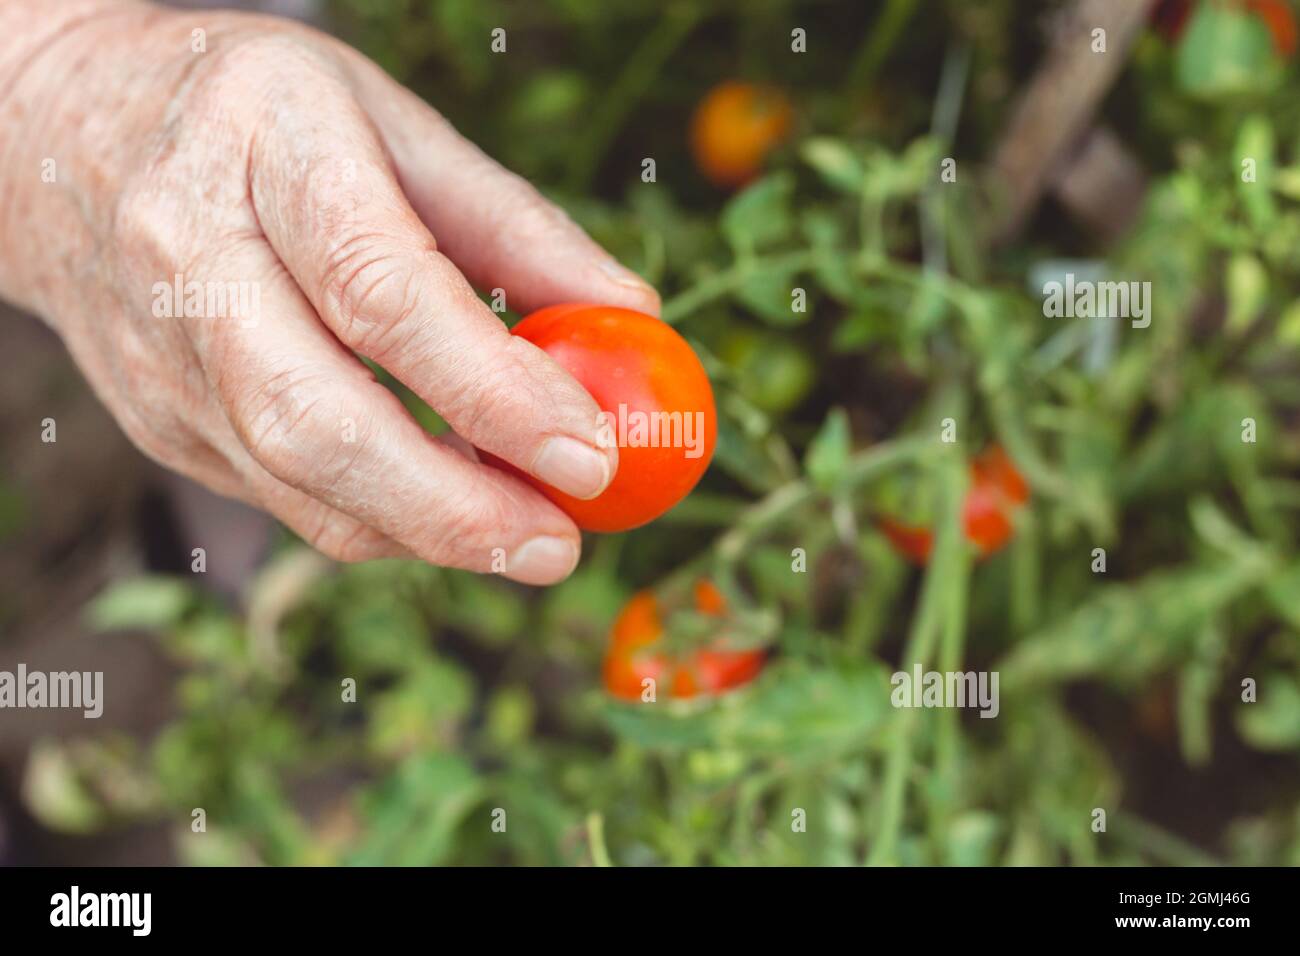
(281, 166)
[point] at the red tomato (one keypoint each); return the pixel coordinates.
(984, 519)
(997, 489)
(631, 657)
(913, 542)
(658, 403)
(992, 467)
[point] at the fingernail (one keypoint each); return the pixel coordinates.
(624, 276)
(570, 466)
(543, 560)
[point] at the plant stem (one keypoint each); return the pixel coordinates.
(862, 467)
(935, 606)
(720, 284)
(951, 651)
(728, 280)
(596, 840)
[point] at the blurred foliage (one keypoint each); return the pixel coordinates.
(1121, 690)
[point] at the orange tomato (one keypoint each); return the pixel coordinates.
(631, 657)
(734, 128)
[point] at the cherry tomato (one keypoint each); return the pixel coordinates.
(913, 542)
(657, 400)
(997, 489)
(734, 128)
(632, 656)
(984, 519)
(992, 467)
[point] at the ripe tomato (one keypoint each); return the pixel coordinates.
(984, 519)
(993, 468)
(913, 542)
(632, 657)
(997, 489)
(734, 127)
(658, 403)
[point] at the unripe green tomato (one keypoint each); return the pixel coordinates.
(772, 371)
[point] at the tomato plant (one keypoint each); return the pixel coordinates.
(657, 401)
(997, 488)
(1161, 572)
(734, 128)
(634, 654)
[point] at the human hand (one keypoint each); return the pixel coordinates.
(337, 214)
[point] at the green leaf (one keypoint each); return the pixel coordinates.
(829, 451)
(1226, 51)
(1273, 721)
(55, 792)
(1247, 283)
(759, 215)
(835, 162)
(413, 814)
(381, 632)
(482, 606)
(422, 712)
(769, 294)
(145, 602)
(1131, 630)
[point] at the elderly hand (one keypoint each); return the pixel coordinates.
(308, 210)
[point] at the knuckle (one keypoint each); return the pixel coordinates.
(291, 425)
(370, 293)
(250, 60)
